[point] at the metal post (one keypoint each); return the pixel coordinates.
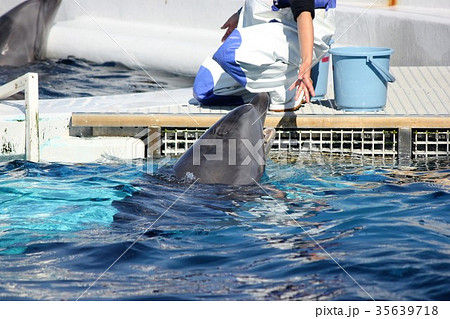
(29, 84)
(32, 118)
(154, 142)
(404, 145)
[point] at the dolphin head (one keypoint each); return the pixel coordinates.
(24, 31)
(232, 151)
(261, 103)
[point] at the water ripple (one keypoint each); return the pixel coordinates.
(61, 226)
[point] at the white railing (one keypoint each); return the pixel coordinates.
(29, 84)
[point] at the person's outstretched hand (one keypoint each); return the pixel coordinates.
(304, 83)
(305, 30)
(230, 25)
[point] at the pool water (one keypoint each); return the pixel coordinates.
(72, 77)
(63, 226)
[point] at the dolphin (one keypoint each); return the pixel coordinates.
(232, 151)
(24, 31)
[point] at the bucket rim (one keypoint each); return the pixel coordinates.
(361, 51)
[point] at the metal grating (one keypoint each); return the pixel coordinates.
(176, 141)
(366, 142)
(431, 143)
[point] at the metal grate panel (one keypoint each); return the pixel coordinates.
(366, 142)
(431, 143)
(176, 141)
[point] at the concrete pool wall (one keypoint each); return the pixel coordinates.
(176, 35)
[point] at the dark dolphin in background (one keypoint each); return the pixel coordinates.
(24, 31)
(233, 151)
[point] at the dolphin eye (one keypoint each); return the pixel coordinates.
(222, 129)
(221, 132)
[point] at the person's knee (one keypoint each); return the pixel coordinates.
(203, 85)
(225, 56)
(203, 90)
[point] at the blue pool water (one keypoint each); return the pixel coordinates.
(72, 77)
(62, 226)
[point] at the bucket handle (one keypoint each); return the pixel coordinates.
(384, 72)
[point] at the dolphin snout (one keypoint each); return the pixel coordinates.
(261, 102)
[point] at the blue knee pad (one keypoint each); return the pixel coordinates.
(204, 91)
(225, 56)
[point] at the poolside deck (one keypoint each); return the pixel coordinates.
(415, 122)
(419, 98)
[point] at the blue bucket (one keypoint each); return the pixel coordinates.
(319, 76)
(360, 76)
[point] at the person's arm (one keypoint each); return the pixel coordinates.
(303, 11)
(231, 24)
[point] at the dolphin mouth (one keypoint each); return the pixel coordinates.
(269, 137)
